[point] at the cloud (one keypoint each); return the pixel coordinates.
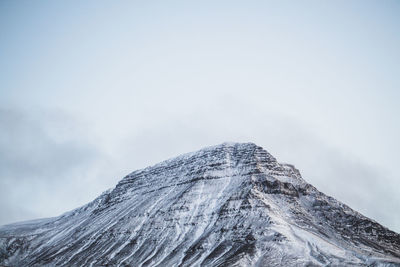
(41, 162)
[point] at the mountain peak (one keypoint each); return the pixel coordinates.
(230, 204)
(220, 151)
(235, 160)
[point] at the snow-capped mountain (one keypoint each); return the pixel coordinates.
(227, 205)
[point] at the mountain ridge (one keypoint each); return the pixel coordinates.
(230, 204)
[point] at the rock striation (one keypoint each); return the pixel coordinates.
(229, 205)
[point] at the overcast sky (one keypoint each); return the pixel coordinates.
(90, 91)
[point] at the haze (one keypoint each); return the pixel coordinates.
(92, 91)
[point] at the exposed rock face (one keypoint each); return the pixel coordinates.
(228, 205)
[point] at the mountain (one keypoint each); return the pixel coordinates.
(229, 205)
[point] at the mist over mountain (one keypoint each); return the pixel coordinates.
(228, 205)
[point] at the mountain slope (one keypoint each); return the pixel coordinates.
(228, 205)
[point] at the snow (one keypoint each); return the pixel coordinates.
(231, 204)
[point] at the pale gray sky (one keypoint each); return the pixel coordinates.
(92, 91)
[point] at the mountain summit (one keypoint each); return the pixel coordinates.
(228, 205)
